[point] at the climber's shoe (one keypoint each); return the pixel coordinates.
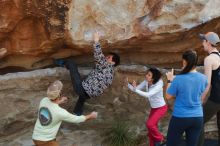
(60, 62)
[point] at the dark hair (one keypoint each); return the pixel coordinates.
(156, 74)
(115, 58)
(191, 59)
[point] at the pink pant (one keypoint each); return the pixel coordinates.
(152, 124)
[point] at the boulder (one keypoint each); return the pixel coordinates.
(143, 32)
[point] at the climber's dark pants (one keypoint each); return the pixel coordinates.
(77, 86)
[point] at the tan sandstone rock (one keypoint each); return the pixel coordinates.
(143, 32)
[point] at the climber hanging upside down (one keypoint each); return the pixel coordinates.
(98, 79)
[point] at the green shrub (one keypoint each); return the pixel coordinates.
(119, 135)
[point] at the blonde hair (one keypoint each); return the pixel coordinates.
(54, 90)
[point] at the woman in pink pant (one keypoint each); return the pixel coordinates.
(152, 88)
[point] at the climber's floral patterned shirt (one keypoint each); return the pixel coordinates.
(101, 77)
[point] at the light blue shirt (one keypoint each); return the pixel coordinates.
(188, 88)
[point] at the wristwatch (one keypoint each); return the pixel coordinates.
(169, 81)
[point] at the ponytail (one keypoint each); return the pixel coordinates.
(191, 59)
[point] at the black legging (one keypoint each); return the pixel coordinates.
(77, 86)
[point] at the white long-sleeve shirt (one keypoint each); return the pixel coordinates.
(154, 93)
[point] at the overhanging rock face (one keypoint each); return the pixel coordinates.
(124, 19)
(143, 32)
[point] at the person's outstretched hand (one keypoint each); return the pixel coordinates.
(125, 81)
(92, 115)
(3, 51)
(96, 37)
(134, 84)
(63, 100)
(170, 75)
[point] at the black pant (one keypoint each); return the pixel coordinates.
(191, 126)
(77, 86)
(209, 110)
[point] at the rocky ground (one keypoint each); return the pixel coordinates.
(21, 92)
(66, 137)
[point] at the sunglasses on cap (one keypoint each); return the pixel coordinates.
(202, 37)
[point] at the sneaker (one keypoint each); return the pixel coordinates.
(157, 144)
(60, 62)
(163, 142)
(160, 143)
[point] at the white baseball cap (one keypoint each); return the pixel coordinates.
(54, 90)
